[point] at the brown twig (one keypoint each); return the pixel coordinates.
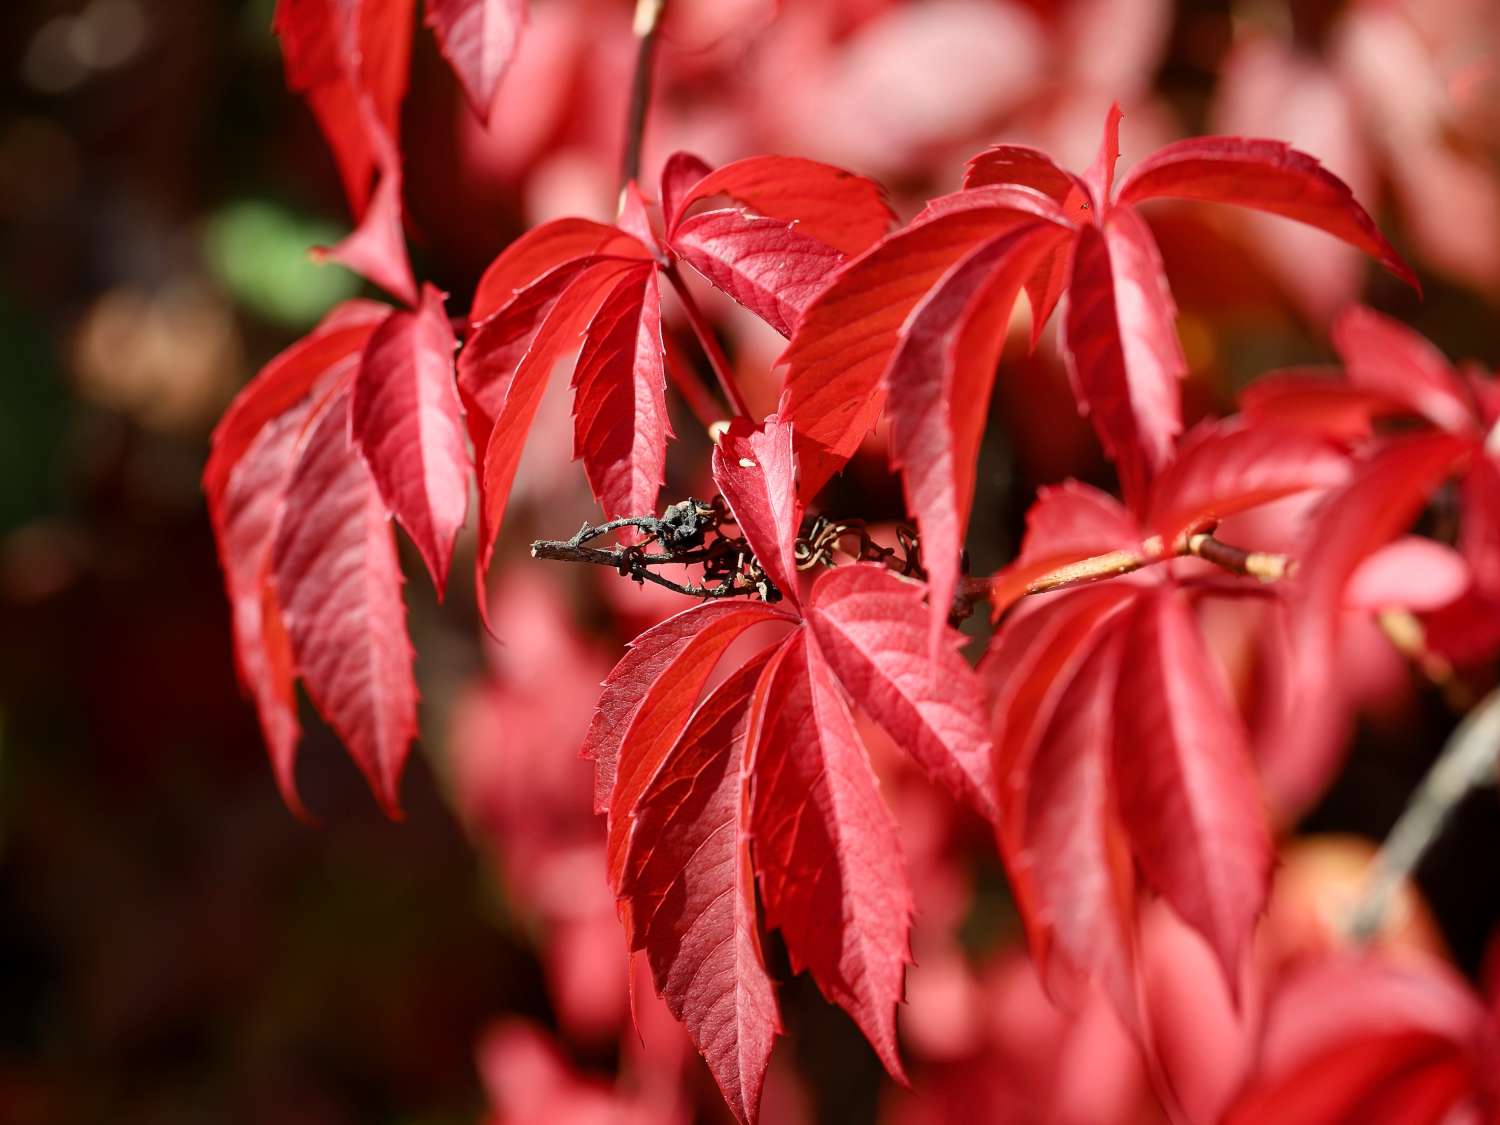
(647, 24)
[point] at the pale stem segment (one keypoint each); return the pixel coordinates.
(1466, 763)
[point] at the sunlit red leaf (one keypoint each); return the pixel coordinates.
(1187, 791)
(404, 417)
(619, 405)
(755, 471)
(479, 38)
(1264, 175)
(1122, 349)
(1078, 860)
(872, 630)
(283, 382)
(1222, 468)
(846, 211)
(694, 638)
(339, 585)
(830, 866)
(938, 385)
(768, 265)
(847, 336)
(691, 889)
(519, 389)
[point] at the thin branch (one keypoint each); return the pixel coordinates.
(709, 342)
(647, 23)
(1408, 636)
(1260, 565)
(1467, 762)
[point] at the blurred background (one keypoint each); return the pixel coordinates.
(176, 947)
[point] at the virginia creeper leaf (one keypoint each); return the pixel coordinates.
(872, 630)
(478, 38)
(619, 402)
(754, 469)
(768, 265)
(1265, 175)
(830, 866)
(1188, 793)
(846, 211)
(691, 891)
(938, 386)
(339, 584)
(631, 682)
(405, 419)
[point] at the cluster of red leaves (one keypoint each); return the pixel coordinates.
(1099, 739)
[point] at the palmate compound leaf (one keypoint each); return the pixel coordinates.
(256, 446)
(1119, 336)
(689, 888)
(823, 844)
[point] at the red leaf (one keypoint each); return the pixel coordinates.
(1351, 1039)
(376, 248)
(1067, 523)
(694, 638)
(848, 334)
(1408, 573)
(1381, 501)
(1188, 793)
(405, 419)
(1223, 468)
(519, 389)
(1017, 164)
(872, 630)
(283, 382)
(1268, 176)
(478, 38)
(1100, 177)
(620, 404)
(1029, 664)
(1077, 858)
(1122, 349)
(339, 54)
(1479, 529)
(846, 211)
(339, 585)
(1317, 401)
(681, 171)
(1385, 358)
(690, 890)
(245, 527)
(831, 873)
(768, 265)
(939, 382)
(526, 261)
(755, 471)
